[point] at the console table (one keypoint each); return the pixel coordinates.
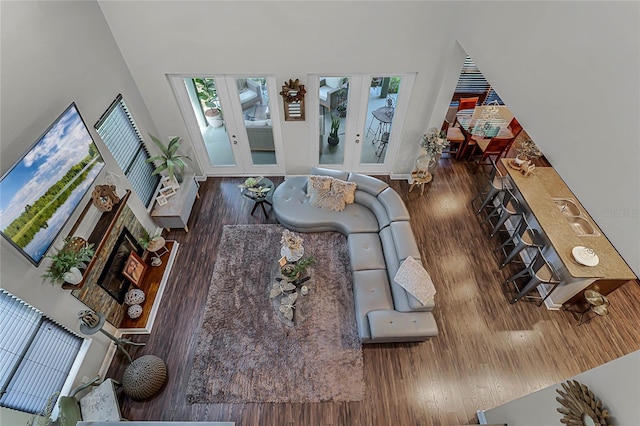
(175, 214)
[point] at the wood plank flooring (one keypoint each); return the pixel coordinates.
(488, 351)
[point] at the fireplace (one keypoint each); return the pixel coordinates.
(111, 278)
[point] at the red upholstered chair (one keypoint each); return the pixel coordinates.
(454, 137)
(467, 103)
(514, 127)
(495, 147)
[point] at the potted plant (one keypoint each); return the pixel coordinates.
(208, 94)
(67, 261)
(333, 138)
(527, 150)
(291, 271)
(147, 238)
(169, 160)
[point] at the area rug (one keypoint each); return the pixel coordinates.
(246, 353)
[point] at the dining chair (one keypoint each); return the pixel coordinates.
(539, 271)
(514, 127)
(455, 137)
(496, 147)
(466, 133)
(467, 103)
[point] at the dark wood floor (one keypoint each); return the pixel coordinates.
(488, 351)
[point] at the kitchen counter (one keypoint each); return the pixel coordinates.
(538, 191)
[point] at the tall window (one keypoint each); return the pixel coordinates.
(36, 355)
(120, 133)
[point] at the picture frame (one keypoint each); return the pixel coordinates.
(134, 268)
(167, 182)
(167, 191)
(161, 200)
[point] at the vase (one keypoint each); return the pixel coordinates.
(73, 276)
(520, 159)
(426, 162)
(292, 255)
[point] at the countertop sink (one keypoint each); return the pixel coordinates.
(567, 206)
(582, 227)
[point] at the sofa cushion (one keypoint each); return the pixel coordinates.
(368, 184)
(404, 240)
(247, 95)
(370, 292)
(394, 205)
(338, 174)
(416, 280)
(365, 251)
(372, 203)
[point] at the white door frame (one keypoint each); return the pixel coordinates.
(234, 120)
(357, 120)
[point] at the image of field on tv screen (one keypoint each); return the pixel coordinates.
(40, 192)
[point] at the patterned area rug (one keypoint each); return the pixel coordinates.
(246, 353)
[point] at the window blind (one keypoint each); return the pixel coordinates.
(121, 136)
(36, 355)
(472, 82)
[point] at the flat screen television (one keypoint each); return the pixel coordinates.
(41, 190)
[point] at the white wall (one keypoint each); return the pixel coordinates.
(54, 53)
(616, 384)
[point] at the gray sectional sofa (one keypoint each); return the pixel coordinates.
(380, 238)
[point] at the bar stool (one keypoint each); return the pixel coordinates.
(539, 271)
(509, 206)
(495, 185)
(524, 237)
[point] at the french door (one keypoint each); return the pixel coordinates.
(231, 121)
(360, 120)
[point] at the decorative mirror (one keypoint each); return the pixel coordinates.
(293, 97)
(580, 406)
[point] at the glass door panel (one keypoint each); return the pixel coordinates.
(253, 94)
(381, 109)
(333, 96)
(203, 94)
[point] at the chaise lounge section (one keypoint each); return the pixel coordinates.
(380, 238)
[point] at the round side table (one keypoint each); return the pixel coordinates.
(420, 178)
(144, 377)
(156, 245)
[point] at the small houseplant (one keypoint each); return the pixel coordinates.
(147, 238)
(527, 150)
(208, 94)
(333, 138)
(68, 259)
(291, 271)
(169, 159)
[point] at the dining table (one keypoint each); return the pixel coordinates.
(478, 128)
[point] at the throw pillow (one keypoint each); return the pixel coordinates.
(345, 190)
(416, 280)
(317, 187)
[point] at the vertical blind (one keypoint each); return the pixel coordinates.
(36, 355)
(121, 136)
(471, 81)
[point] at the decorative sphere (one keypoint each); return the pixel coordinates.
(134, 311)
(134, 297)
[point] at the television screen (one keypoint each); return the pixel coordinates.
(40, 192)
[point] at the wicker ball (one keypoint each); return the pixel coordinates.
(134, 297)
(144, 377)
(134, 311)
